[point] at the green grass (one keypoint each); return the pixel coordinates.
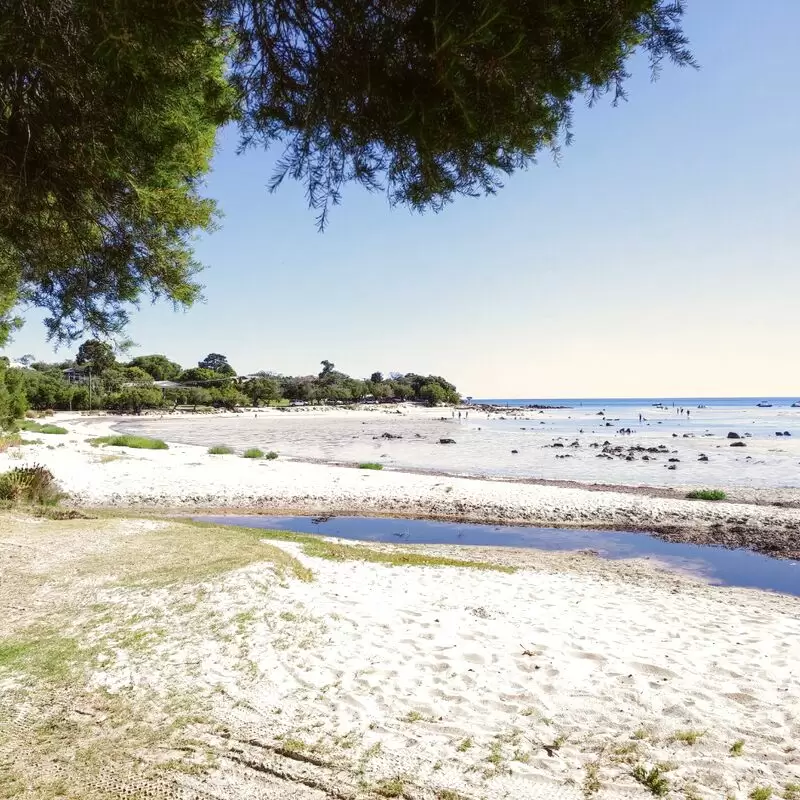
(689, 737)
(760, 793)
(706, 494)
(370, 465)
(651, 779)
(791, 791)
(737, 748)
(253, 452)
(271, 456)
(40, 655)
(220, 450)
(37, 427)
(390, 787)
(318, 547)
(125, 440)
(464, 745)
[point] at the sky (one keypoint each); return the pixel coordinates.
(658, 258)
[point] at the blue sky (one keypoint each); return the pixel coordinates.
(658, 258)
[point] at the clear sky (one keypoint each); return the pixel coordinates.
(661, 257)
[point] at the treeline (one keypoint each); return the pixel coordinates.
(95, 379)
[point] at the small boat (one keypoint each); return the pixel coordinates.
(763, 404)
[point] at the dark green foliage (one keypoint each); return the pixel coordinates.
(217, 363)
(430, 99)
(220, 450)
(33, 485)
(271, 455)
(109, 113)
(158, 367)
(370, 465)
(97, 355)
(134, 399)
(125, 440)
(706, 494)
(253, 452)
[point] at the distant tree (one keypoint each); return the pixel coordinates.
(133, 399)
(227, 396)
(137, 375)
(97, 355)
(433, 394)
(27, 360)
(159, 367)
(217, 363)
(262, 390)
(376, 377)
(201, 375)
(327, 368)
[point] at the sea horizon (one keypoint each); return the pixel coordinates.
(686, 401)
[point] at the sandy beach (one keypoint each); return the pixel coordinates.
(244, 663)
(186, 477)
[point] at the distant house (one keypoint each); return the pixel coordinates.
(76, 375)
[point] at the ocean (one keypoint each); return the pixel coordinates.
(640, 402)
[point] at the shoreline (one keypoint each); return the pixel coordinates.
(186, 479)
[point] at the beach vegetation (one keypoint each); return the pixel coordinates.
(791, 791)
(390, 787)
(271, 455)
(690, 737)
(127, 440)
(220, 450)
(760, 793)
(38, 427)
(591, 780)
(253, 452)
(464, 745)
(370, 465)
(34, 485)
(652, 779)
(737, 748)
(706, 494)
(10, 440)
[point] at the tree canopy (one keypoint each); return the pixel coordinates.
(109, 109)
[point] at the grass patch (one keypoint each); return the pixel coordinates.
(591, 781)
(689, 737)
(253, 452)
(449, 794)
(706, 494)
(370, 465)
(10, 440)
(271, 455)
(179, 554)
(220, 450)
(390, 787)
(760, 793)
(653, 780)
(41, 655)
(37, 427)
(464, 745)
(737, 748)
(317, 547)
(125, 440)
(791, 791)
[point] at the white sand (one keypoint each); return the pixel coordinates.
(420, 673)
(186, 476)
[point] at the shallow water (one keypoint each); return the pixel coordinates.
(715, 564)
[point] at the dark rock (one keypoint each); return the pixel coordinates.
(515, 451)
(674, 435)
(671, 466)
(673, 460)
(732, 435)
(447, 441)
(391, 436)
(786, 433)
(738, 444)
(779, 433)
(702, 457)
(556, 444)
(645, 458)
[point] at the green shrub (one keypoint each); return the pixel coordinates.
(220, 450)
(253, 452)
(125, 440)
(706, 494)
(38, 427)
(370, 465)
(271, 456)
(34, 485)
